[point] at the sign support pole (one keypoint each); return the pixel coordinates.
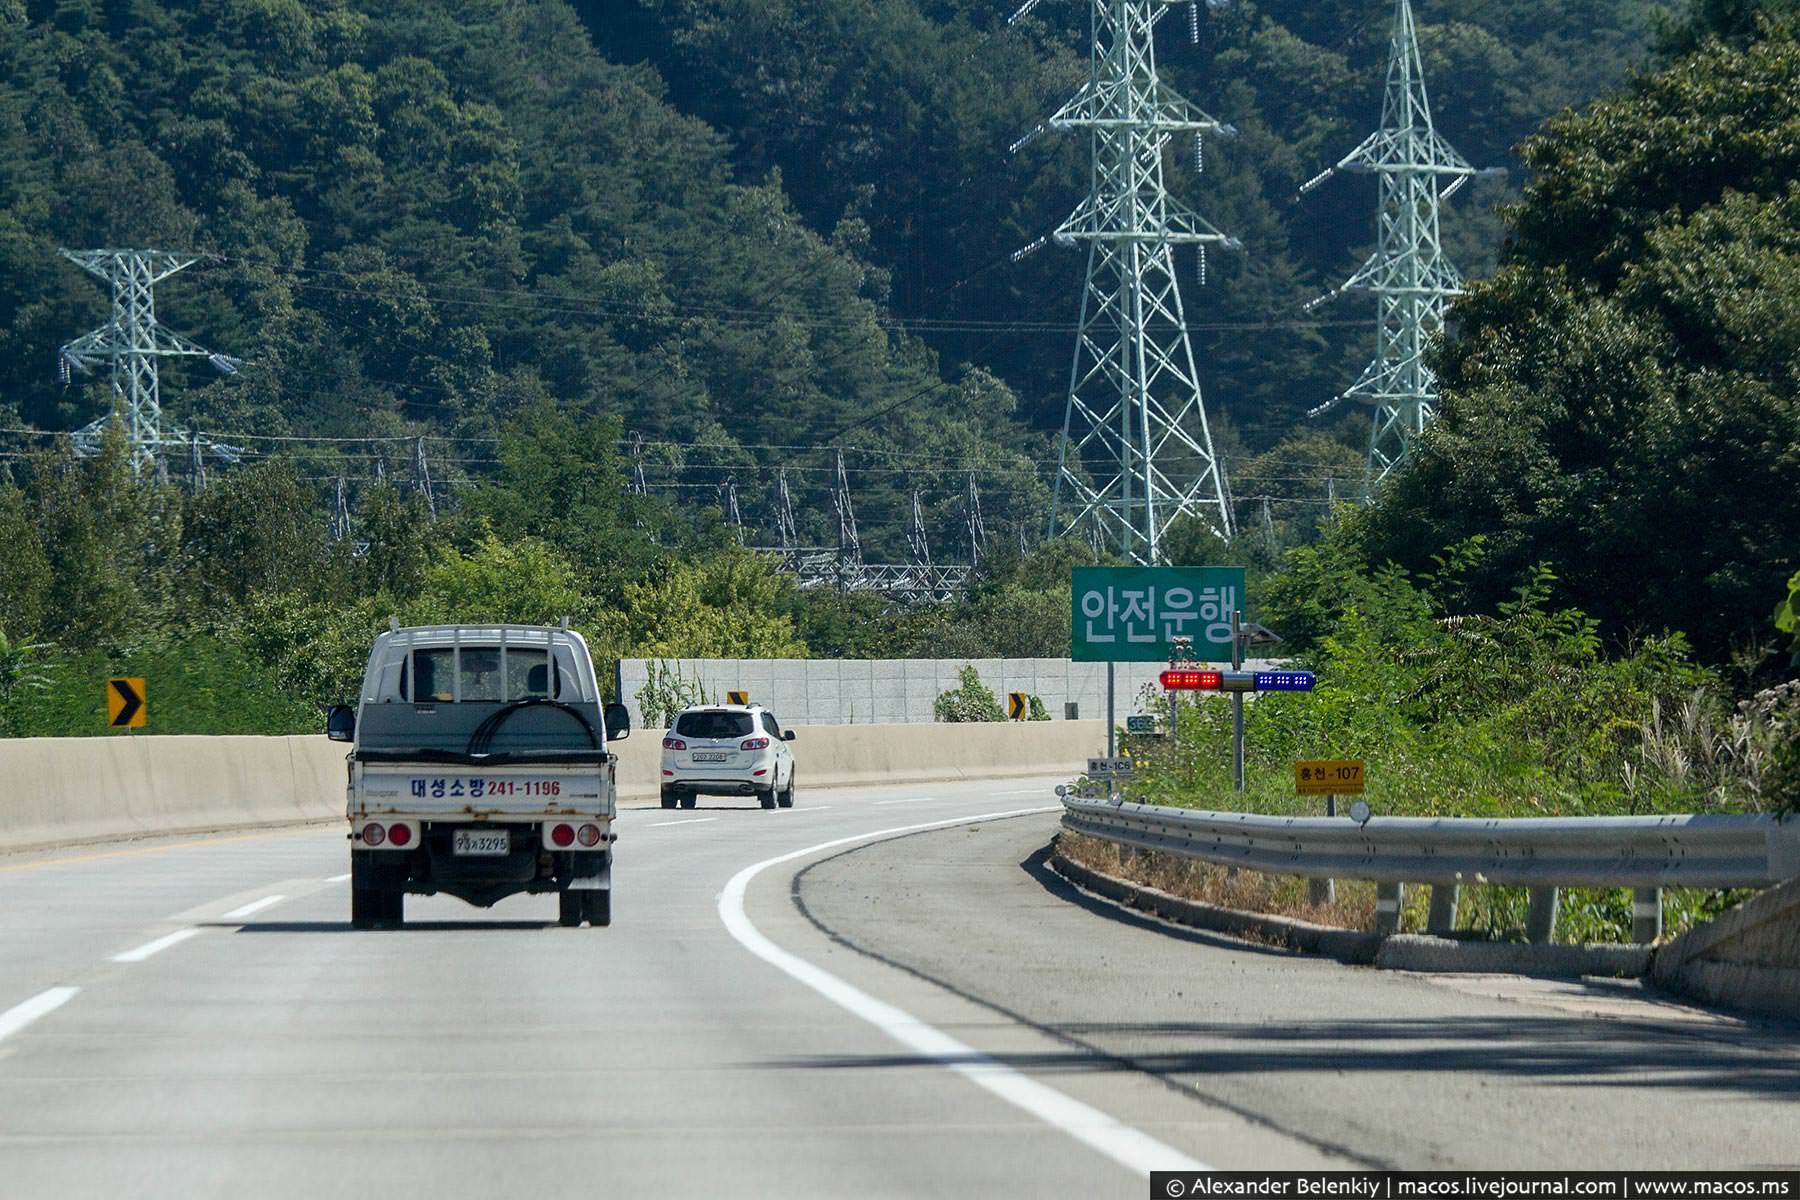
(1237, 698)
(1112, 731)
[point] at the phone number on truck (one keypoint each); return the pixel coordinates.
(476, 788)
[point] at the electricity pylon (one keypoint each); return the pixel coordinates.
(130, 344)
(1136, 451)
(1408, 274)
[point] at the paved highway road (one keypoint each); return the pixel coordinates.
(786, 1006)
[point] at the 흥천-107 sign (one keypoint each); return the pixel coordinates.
(1135, 614)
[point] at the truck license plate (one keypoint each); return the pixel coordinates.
(708, 756)
(481, 841)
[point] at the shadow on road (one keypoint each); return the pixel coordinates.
(344, 926)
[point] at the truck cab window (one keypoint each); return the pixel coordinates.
(528, 675)
(481, 673)
(434, 674)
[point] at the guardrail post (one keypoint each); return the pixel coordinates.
(1321, 891)
(1540, 918)
(1387, 907)
(1443, 908)
(1646, 915)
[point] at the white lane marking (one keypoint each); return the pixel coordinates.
(914, 800)
(255, 906)
(1120, 1142)
(809, 808)
(339, 878)
(160, 944)
(684, 821)
(20, 1015)
(1026, 792)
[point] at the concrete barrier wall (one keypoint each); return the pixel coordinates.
(892, 691)
(1748, 957)
(56, 791)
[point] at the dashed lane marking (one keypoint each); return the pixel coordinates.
(687, 821)
(144, 951)
(20, 1015)
(255, 906)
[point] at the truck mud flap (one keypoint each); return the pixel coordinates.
(588, 873)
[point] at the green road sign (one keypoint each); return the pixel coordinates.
(1134, 614)
(1140, 725)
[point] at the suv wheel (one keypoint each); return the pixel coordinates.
(689, 799)
(668, 798)
(767, 796)
(785, 797)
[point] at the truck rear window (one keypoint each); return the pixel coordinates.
(713, 724)
(529, 674)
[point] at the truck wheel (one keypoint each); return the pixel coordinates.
(689, 799)
(365, 899)
(669, 799)
(785, 797)
(767, 796)
(393, 907)
(571, 906)
(599, 907)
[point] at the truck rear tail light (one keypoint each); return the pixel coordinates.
(588, 835)
(754, 744)
(674, 744)
(399, 835)
(373, 834)
(563, 835)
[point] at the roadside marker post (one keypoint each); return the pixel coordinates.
(737, 697)
(1018, 705)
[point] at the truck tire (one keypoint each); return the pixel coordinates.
(571, 907)
(785, 797)
(599, 907)
(689, 799)
(669, 799)
(366, 908)
(767, 796)
(393, 907)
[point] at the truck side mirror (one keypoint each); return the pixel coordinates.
(618, 722)
(340, 723)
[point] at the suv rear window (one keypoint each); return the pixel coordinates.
(713, 724)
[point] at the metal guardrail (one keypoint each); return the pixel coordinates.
(1667, 851)
(1642, 853)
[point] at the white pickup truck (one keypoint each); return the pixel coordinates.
(479, 768)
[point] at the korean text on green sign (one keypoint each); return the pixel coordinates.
(1135, 614)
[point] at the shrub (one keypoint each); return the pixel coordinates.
(969, 701)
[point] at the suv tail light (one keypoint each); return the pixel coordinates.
(674, 743)
(754, 744)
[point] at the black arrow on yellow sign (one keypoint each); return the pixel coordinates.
(1015, 705)
(125, 704)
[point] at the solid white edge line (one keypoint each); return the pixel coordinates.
(20, 1015)
(255, 906)
(1120, 1142)
(160, 944)
(685, 821)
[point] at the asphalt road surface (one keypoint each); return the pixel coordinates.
(867, 995)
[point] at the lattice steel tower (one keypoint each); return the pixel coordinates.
(1134, 419)
(1408, 274)
(130, 344)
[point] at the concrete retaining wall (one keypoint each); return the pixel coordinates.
(893, 691)
(1749, 957)
(57, 791)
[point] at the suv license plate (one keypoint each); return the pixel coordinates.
(481, 841)
(708, 756)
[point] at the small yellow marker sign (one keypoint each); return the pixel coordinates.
(1018, 705)
(1329, 777)
(737, 697)
(125, 707)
